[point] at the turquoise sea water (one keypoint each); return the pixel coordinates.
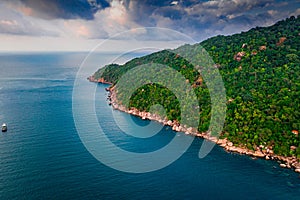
(42, 156)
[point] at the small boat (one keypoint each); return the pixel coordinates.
(4, 128)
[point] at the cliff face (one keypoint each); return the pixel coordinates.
(260, 69)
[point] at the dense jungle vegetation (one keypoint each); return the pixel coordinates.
(260, 69)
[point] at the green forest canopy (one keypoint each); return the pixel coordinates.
(260, 69)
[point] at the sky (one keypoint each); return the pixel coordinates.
(79, 25)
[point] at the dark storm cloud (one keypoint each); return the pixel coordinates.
(199, 19)
(170, 12)
(65, 9)
(205, 18)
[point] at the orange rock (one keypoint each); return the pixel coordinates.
(283, 165)
(281, 41)
(254, 53)
(239, 55)
(262, 48)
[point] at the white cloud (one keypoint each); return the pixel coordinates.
(106, 23)
(16, 23)
(198, 19)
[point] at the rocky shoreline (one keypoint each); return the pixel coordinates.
(260, 152)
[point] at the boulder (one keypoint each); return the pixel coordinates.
(239, 55)
(258, 154)
(282, 165)
(190, 129)
(230, 144)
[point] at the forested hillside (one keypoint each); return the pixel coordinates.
(261, 73)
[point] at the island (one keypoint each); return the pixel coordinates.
(260, 69)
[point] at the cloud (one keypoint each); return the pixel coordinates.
(100, 19)
(106, 23)
(203, 19)
(119, 19)
(59, 9)
(14, 23)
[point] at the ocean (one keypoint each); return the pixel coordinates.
(42, 156)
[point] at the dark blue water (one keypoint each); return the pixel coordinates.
(42, 156)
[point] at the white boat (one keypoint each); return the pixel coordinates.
(4, 127)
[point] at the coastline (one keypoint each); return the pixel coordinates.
(261, 151)
(100, 80)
